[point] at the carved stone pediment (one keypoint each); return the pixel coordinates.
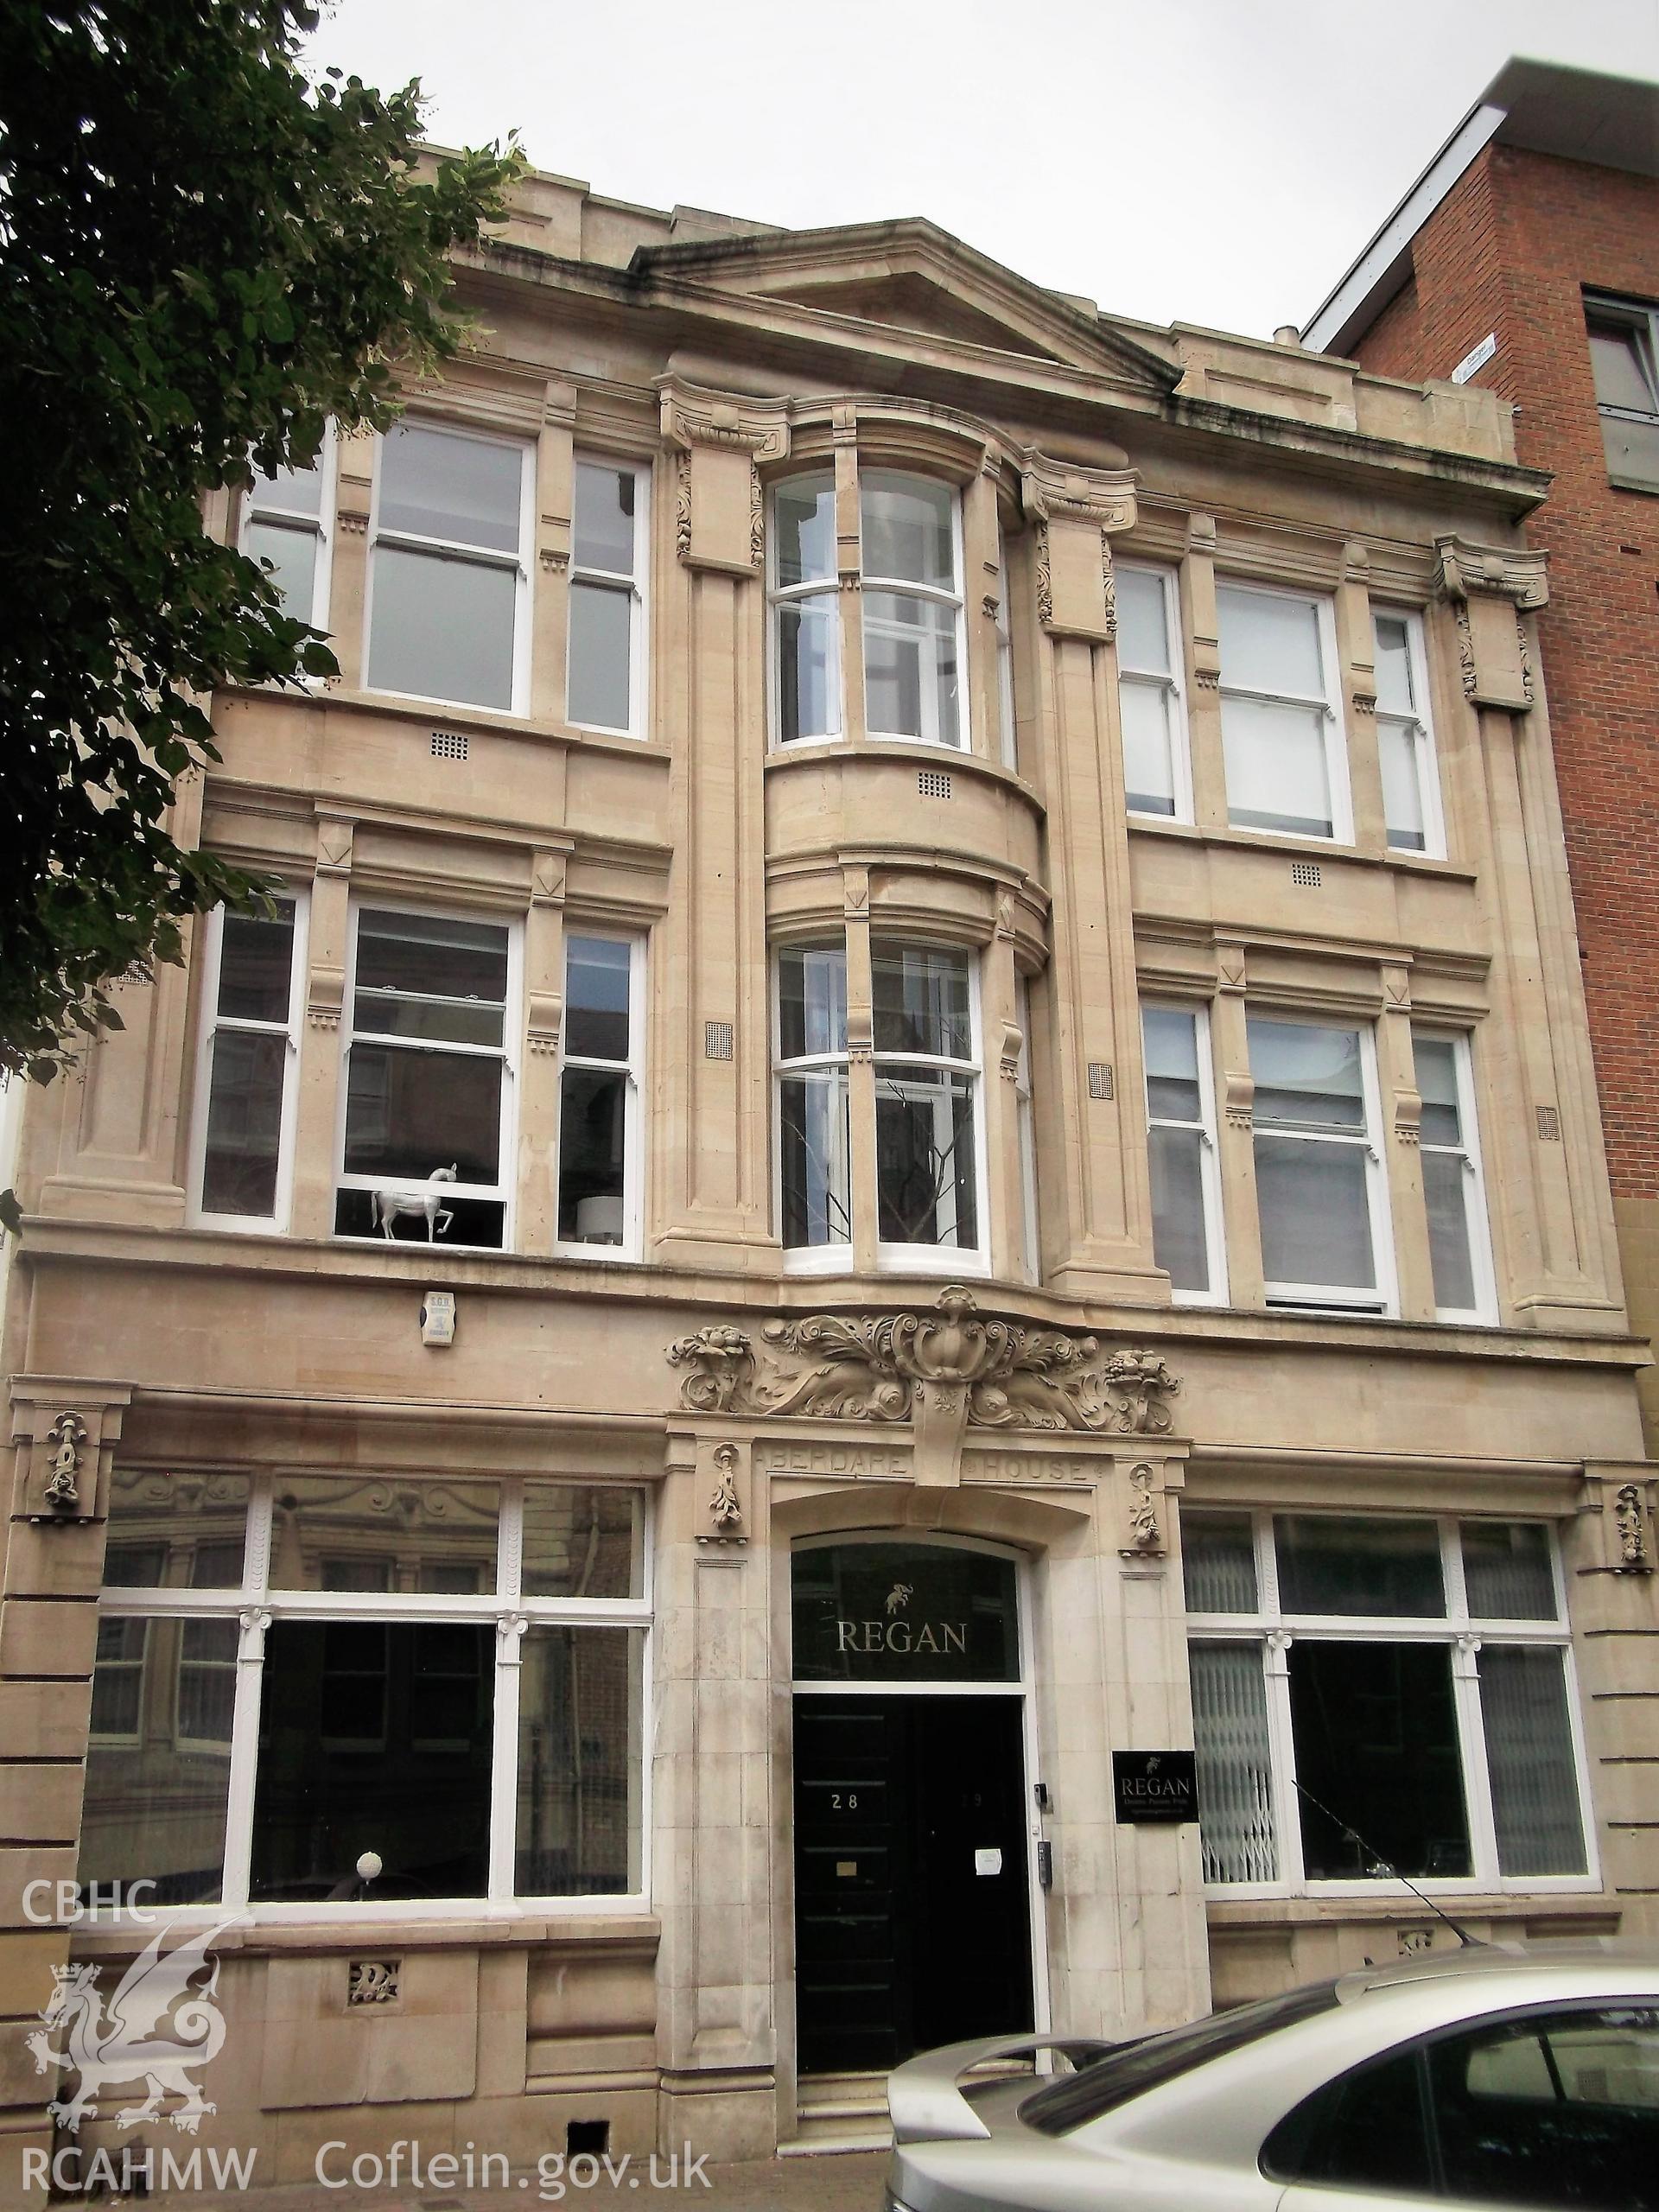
(910, 1366)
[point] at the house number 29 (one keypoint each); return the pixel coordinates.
(838, 1801)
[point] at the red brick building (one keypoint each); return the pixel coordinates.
(1526, 258)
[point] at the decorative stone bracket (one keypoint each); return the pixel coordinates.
(1075, 511)
(725, 1508)
(64, 1431)
(1491, 589)
(722, 439)
(944, 1371)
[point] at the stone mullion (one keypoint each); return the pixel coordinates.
(538, 1086)
(983, 585)
(1000, 1055)
(1356, 656)
(321, 1041)
(1203, 628)
(549, 575)
(1397, 1143)
(849, 572)
(348, 574)
(860, 1072)
(1235, 1132)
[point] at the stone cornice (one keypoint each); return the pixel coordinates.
(1515, 573)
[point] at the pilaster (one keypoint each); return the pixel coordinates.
(1105, 1243)
(861, 1067)
(538, 1089)
(1357, 651)
(1549, 1178)
(556, 495)
(710, 649)
(348, 576)
(1203, 628)
(1613, 1601)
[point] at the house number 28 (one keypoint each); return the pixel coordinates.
(838, 1801)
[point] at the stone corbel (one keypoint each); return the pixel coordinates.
(720, 440)
(1076, 512)
(64, 1432)
(1142, 1528)
(1491, 590)
(1618, 1503)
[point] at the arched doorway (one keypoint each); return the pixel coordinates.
(912, 1896)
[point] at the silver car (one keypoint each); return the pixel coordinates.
(1475, 2078)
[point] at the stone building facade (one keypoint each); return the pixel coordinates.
(1537, 231)
(916, 1136)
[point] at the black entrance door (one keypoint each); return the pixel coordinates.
(911, 1910)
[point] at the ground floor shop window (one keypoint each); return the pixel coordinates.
(295, 1673)
(1375, 1697)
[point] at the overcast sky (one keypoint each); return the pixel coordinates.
(1218, 162)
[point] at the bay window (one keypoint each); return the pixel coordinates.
(447, 1672)
(431, 1026)
(1376, 1697)
(1459, 1241)
(600, 1052)
(287, 526)
(911, 601)
(927, 1133)
(1280, 720)
(1186, 1235)
(1405, 738)
(450, 570)
(253, 971)
(1151, 693)
(1319, 1171)
(606, 675)
(815, 1201)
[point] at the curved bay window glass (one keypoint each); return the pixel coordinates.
(897, 1612)
(448, 1674)
(814, 1138)
(926, 1096)
(428, 1089)
(806, 614)
(912, 608)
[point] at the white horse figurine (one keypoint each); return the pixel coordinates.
(163, 2024)
(394, 1198)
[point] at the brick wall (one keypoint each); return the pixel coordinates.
(1509, 251)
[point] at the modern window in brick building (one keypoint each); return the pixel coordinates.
(1525, 261)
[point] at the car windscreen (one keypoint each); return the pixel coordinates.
(1135, 2067)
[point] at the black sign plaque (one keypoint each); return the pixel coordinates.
(1155, 1785)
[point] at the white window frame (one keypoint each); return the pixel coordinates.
(1274, 1631)
(1208, 1149)
(508, 1054)
(781, 596)
(1173, 686)
(893, 1258)
(482, 557)
(633, 1133)
(261, 504)
(638, 587)
(901, 588)
(256, 1605)
(210, 1022)
(1420, 725)
(1329, 704)
(836, 1257)
(1481, 1266)
(1384, 1300)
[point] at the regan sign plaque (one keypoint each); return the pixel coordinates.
(904, 1613)
(1155, 1785)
